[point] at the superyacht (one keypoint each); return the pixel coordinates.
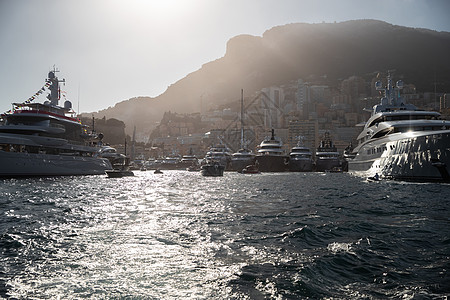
(188, 161)
(401, 142)
(271, 156)
(327, 155)
(45, 139)
(241, 159)
(300, 158)
(221, 154)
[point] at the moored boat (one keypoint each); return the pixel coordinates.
(250, 169)
(300, 158)
(214, 169)
(271, 156)
(120, 162)
(401, 142)
(45, 139)
(242, 158)
(327, 155)
(221, 154)
(188, 161)
(117, 173)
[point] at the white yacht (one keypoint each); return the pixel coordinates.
(300, 158)
(399, 141)
(221, 154)
(45, 139)
(271, 156)
(241, 159)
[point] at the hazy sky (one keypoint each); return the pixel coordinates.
(112, 50)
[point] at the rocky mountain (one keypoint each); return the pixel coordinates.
(294, 51)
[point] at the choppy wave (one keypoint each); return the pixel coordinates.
(181, 235)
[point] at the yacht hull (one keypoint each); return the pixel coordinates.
(19, 164)
(271, 163)
(300, 165)
(421, 156)
(239, 165)
(326, 164)
(212, 170)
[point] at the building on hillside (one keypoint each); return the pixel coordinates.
(192, 143)
(168, 145)
(354, 87)
(272, 104)
(319, 93)
(308, 129)
(444, 102)
(344, 136)
(302, 96)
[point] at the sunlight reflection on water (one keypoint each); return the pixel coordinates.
(181, 235)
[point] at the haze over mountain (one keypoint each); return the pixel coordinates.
(295, 51)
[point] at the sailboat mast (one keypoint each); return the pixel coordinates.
(242, 118)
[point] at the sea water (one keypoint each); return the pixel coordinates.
(179, 235)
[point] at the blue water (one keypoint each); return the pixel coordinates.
(179, 235)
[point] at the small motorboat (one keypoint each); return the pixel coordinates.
(212, 169)
(335, 170)
(250, 169)
(376, 177)
(158, 171)
(116, 173)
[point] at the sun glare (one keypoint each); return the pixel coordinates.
(159, 9)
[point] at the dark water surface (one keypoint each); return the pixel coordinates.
(266, 236)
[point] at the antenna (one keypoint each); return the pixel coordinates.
(78, 109)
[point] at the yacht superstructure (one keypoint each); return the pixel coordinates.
(45, 139)
(327, 155)
(399, 141)
(300, 158)
(271, 156)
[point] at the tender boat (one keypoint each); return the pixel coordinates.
(117, 173)
(45, 139)
(250, 169)
(271, 156)
(401, 142)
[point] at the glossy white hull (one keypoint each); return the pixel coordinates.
(19, 164)
(418, 156)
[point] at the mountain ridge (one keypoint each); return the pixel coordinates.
(293, 51)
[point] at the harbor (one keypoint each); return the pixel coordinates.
(182, 235)
(224, 149)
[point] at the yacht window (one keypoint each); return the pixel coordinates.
(382, 133)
